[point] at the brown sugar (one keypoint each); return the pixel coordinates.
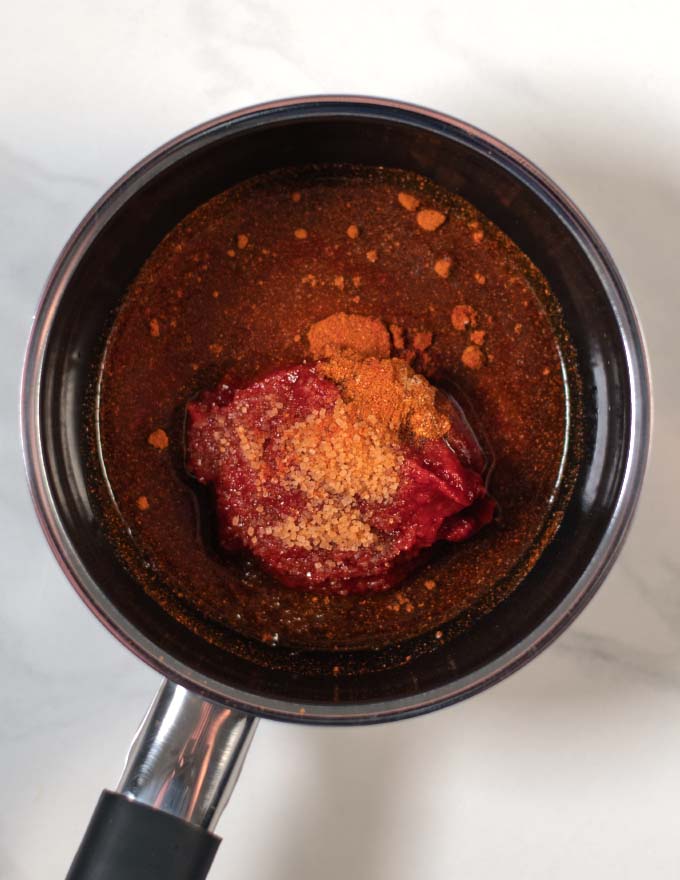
(430, 585)
(158, 438)
(371, 256)
(408, 201)
(143, 502)
(241, 241)
(478, 235)
(154, 327)
(473, 357)
(296, 196)
(462, 315)
(353, 231)
(342, 332)
(479, 278)
(442, 267)
(339, 282)
(300, 233)
(430, 219)
(478, 337)
(332, 457)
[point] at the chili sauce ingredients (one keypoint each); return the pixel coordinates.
(513, 397)
(336, 475)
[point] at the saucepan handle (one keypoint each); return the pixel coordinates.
(181, 769)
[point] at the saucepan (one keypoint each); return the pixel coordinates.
(187, 755)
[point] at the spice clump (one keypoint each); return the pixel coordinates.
(378, 389)
(429, 219)
(354, 335)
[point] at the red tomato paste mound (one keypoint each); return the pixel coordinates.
(336, 474)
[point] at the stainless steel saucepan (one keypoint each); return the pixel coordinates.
(187, 755)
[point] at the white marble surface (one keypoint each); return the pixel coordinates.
(570, 768)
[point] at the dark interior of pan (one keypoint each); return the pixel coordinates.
(107, 254)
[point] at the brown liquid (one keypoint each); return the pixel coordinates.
(202, 307)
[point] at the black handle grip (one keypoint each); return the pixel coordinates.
(126, 840)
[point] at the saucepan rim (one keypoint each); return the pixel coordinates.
(379, 710)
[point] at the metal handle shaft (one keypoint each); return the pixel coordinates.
(187, 756)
